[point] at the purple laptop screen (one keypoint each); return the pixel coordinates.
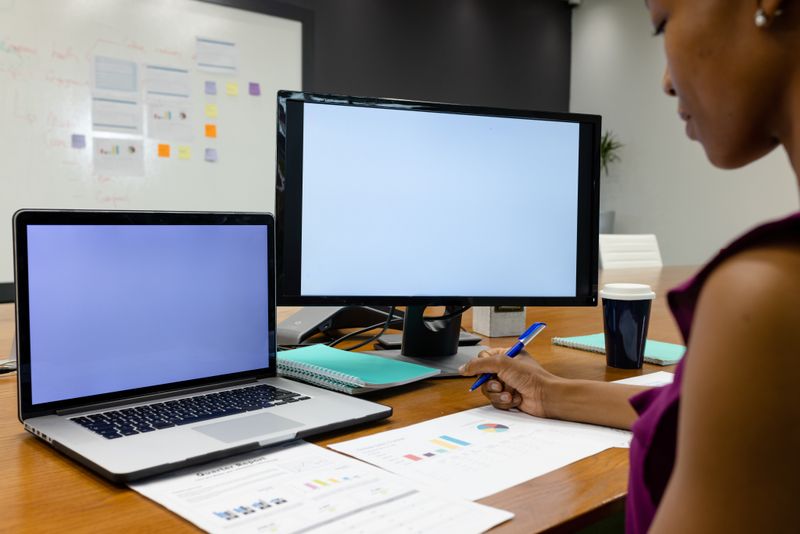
(116, 307)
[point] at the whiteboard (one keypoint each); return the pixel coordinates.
(92, 91)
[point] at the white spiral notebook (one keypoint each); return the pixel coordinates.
(348, 372)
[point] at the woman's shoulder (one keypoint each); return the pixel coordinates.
(774, 242)
(751, 303)
(758, 263)
(764, 273)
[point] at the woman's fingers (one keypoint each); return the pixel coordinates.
(505, 400)
(486, 362)
(494, 386)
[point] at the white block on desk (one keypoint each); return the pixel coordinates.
(498, 321)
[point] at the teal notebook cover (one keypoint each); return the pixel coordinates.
(329, 367)
(656, 352)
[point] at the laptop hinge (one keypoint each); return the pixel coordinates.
(153, 396)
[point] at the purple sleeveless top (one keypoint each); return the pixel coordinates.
(652, 453)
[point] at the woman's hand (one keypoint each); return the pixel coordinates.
(521, 382)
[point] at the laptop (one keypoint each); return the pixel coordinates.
(146, 341)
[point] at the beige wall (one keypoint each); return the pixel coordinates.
(664, 184)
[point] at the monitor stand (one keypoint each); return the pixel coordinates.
(312, 320)
(433, 343)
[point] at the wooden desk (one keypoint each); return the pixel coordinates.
(40, 490)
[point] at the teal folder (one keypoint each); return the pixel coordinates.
(656, 352)
(348, 372)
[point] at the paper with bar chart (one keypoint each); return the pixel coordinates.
(479, 452)
(304, 488)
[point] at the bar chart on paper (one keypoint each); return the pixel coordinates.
(479, 452)
(440, 445)
(300, 487)
(317, 483)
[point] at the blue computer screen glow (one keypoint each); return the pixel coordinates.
(409, 203)
(117, 307)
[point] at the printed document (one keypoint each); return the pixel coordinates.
(479, 452)
(661, 378)
(300, 487)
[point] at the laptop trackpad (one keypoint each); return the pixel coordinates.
(246, 427)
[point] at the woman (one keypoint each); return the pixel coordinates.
(719, 449)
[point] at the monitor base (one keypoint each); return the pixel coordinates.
(447, 364)
(393, 341)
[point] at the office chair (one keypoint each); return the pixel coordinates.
(621, 251)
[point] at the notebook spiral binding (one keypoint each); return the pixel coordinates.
(315, 372)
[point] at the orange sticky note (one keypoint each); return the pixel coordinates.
(211, 130)
(163, 151)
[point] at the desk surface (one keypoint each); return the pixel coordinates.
(42, 490)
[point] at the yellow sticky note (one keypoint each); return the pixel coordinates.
(184, 152)
(211, 110)
(232, 88)
(163, 151)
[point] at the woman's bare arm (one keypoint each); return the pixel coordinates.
(523, 383)
(738, 457)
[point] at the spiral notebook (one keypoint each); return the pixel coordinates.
(656, 352)
(348, 372)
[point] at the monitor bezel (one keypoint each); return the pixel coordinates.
(25, 218)
(288, 204)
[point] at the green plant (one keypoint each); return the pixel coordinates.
(609, 150)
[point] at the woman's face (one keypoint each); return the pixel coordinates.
(727, 74)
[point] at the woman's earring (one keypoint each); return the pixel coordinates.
(761, 18)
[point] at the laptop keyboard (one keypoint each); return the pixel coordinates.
(140, 419)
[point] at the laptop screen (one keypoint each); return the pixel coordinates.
(120, 307)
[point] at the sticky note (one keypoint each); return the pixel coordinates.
(184, 152)
(211, 110)
(211, 130)
(255, 89)
(211, 154)
(232, 88)
(211, 88)
(163, 151)
(78, 141)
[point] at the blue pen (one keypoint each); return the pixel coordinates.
(523, 340)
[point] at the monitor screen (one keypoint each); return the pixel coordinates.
(121, 307)
(397, 202)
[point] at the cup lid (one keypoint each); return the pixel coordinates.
(627, 292)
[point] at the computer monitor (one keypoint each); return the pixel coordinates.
(395, 202)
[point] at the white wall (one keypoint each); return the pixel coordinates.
(664, 184)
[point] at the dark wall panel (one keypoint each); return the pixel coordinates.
(509, 53)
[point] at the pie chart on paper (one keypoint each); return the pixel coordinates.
(492, 427)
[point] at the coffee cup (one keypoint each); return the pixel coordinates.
(626, 315)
